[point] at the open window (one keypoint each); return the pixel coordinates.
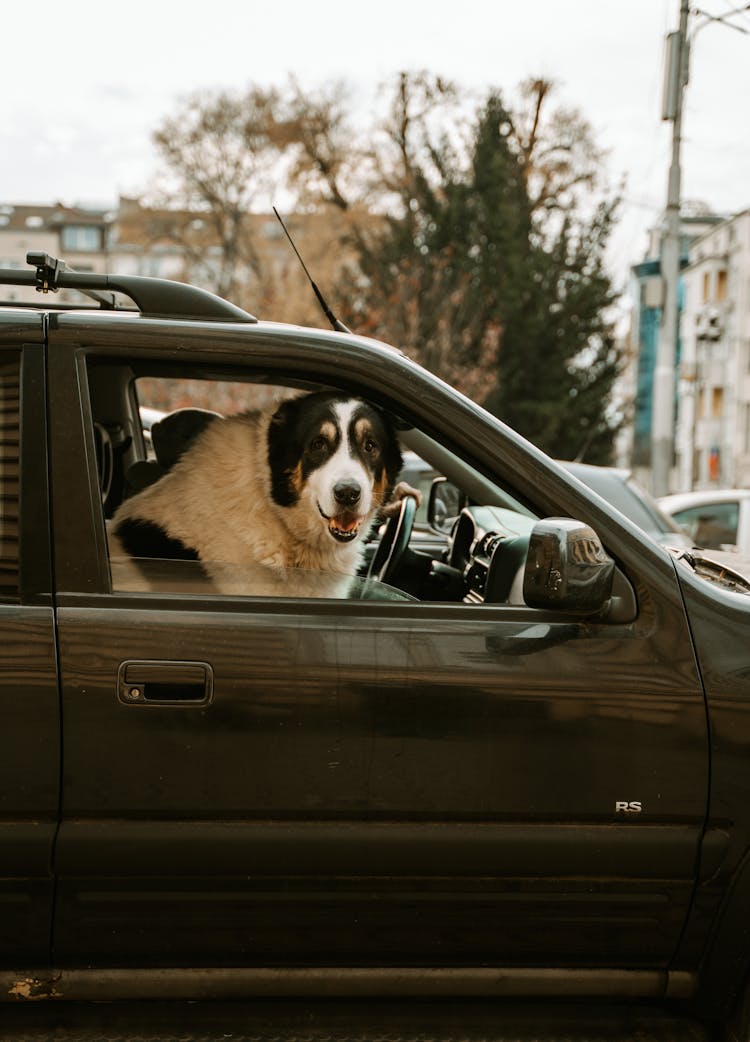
(154, 424)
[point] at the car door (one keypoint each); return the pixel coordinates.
(29, 736)
(280, 782)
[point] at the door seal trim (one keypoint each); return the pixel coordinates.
(342, 982)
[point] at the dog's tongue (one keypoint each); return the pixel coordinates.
(345, 524)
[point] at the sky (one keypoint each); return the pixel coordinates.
(86, 83)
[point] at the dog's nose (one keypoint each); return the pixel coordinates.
(346, 493)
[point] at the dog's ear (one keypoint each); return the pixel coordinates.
(283, 452)
(392, 458)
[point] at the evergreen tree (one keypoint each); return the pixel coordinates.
(507, 301)
(559, 359)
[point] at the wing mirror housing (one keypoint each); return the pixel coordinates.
(567, 568)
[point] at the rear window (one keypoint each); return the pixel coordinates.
(9, 449)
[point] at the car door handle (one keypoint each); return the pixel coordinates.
(152, 682)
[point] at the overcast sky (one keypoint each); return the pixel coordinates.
(86, 83)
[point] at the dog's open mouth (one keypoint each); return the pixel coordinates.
(344, 527)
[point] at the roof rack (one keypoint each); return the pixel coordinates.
(152, 297)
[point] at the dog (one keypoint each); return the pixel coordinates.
(292, 491)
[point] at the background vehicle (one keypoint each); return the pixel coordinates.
(621, 490)
(613, 484)
(716, 519)
(486, 771)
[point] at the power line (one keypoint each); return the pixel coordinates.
(741, 12)
(721, 18)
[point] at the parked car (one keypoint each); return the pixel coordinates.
(715, 518)
(514, 766)
(621, 490)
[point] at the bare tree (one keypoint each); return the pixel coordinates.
(220, 150)
(555, 147)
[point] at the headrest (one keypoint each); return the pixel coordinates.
(176, 433)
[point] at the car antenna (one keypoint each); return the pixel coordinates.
(335, 322)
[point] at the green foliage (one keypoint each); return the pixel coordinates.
(559, 359)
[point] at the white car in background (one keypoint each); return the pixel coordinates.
(716, 519)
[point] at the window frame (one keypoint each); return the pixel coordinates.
(10, 474)
(313, 357)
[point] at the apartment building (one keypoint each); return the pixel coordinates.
(264, 276)
(648, 294)
(77, 234)
(713, 417)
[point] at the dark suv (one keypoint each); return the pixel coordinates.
(523, 771)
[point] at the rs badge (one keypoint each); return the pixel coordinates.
(628, 807)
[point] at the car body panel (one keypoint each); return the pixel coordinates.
(415, 748)
(720, 627)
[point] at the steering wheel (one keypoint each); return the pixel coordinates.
(393, 543)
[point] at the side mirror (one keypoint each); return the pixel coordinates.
(445, 504)
(567, 568)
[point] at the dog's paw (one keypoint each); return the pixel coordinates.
(392, 507)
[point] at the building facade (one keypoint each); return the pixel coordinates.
(713, 420)
(257, 270)
(648, 294)
(78, 235)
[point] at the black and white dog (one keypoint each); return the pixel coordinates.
(295, 487)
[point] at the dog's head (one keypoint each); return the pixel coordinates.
(336, 457)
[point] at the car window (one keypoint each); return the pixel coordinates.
(203, 496)
(711, 525)
(9, 475)
(206, 578)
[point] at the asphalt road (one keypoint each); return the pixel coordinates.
(362, 1021)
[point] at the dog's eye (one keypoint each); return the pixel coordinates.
(318, 444)
(370, 446)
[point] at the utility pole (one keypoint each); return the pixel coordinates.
(663, 405)
(663, 400)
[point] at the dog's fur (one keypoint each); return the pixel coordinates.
(295, 487)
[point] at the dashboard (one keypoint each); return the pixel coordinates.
(488, 546)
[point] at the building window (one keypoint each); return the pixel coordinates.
(706, 287)
(81, 237)
(717, 401)
(721, 284)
